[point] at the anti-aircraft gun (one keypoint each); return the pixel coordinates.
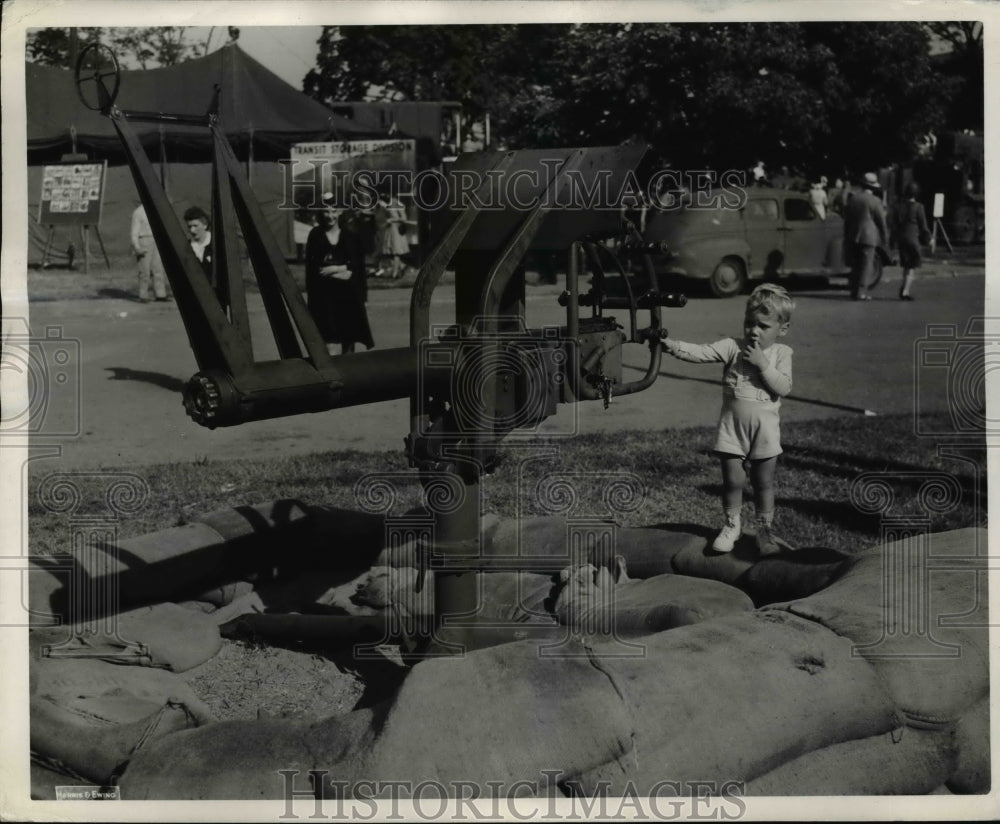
(469, 387)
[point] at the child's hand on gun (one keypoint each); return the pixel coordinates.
(755, 355)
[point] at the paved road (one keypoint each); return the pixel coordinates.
(134, 360)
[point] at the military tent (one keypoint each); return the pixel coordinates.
(261, 114)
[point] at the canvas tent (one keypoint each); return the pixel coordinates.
(259, 111)
(261, 114)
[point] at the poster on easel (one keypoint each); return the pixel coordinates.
(72, 194)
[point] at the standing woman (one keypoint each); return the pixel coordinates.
(912, 233)
(335, 281)
(391, 242)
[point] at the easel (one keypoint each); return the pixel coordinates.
(938, 214)
(52, 214)
(85, 240)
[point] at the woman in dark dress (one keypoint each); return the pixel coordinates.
(911, 233)
(335, 281)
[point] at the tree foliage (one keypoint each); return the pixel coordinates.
(820, 96)
(962, 63)
(136, 47)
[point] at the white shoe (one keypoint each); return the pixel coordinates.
(765, 540)
(726, 539)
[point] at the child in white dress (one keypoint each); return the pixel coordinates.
(757, 373)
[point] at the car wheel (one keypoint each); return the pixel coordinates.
(729, 278)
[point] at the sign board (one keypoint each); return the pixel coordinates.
(348, 168)
(938, 205)
(72, 194)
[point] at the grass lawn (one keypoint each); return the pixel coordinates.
(674, 473)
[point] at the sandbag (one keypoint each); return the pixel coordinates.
(596, 601)
(500, 714)
(902, 762)
(64, 679)
(663, 602)
(584, 590)
(795, 574)
(180, 563)
(646, 551)
(240, 760)
(46, 777)
(733, 697)
(166, 635)
(96, 736)
(225, 594)
(515, 597)
(933, 684)
(972, 737)
(289, 517)
(699, 560)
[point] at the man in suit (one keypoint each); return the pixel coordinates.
(864, 231)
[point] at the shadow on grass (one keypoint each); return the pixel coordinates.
(118, 294)
(850, 465)
(836, 513)
(123, 373)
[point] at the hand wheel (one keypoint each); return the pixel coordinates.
(96, 63)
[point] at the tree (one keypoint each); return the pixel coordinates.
(960, 58)
(817, 96)
(143, 48)
(483, 67)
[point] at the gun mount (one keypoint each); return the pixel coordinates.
(469, 387)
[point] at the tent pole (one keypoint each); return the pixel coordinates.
(163, 158)
(250, 160)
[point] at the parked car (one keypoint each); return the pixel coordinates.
(777, 233)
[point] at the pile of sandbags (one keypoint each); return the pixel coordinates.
(916, 610)
(734, 696)
(665, 674)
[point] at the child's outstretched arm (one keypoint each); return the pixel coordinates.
(777, 378)
(721, 350)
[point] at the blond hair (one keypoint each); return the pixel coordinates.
(771, 299)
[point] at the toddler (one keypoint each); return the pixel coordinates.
(757, 373)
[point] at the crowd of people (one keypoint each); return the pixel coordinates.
(871, 227)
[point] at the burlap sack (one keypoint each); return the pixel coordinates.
(794, 574)
(96, 736)
(663, 602)
(500, 714)
(514, 597)
(734, 697)
(935, 672)
(225, 594)
(71, 679)
(45, 779)
(972, 736)
(166, 635)
(646, 552)
(902, 762)
(240, 760)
